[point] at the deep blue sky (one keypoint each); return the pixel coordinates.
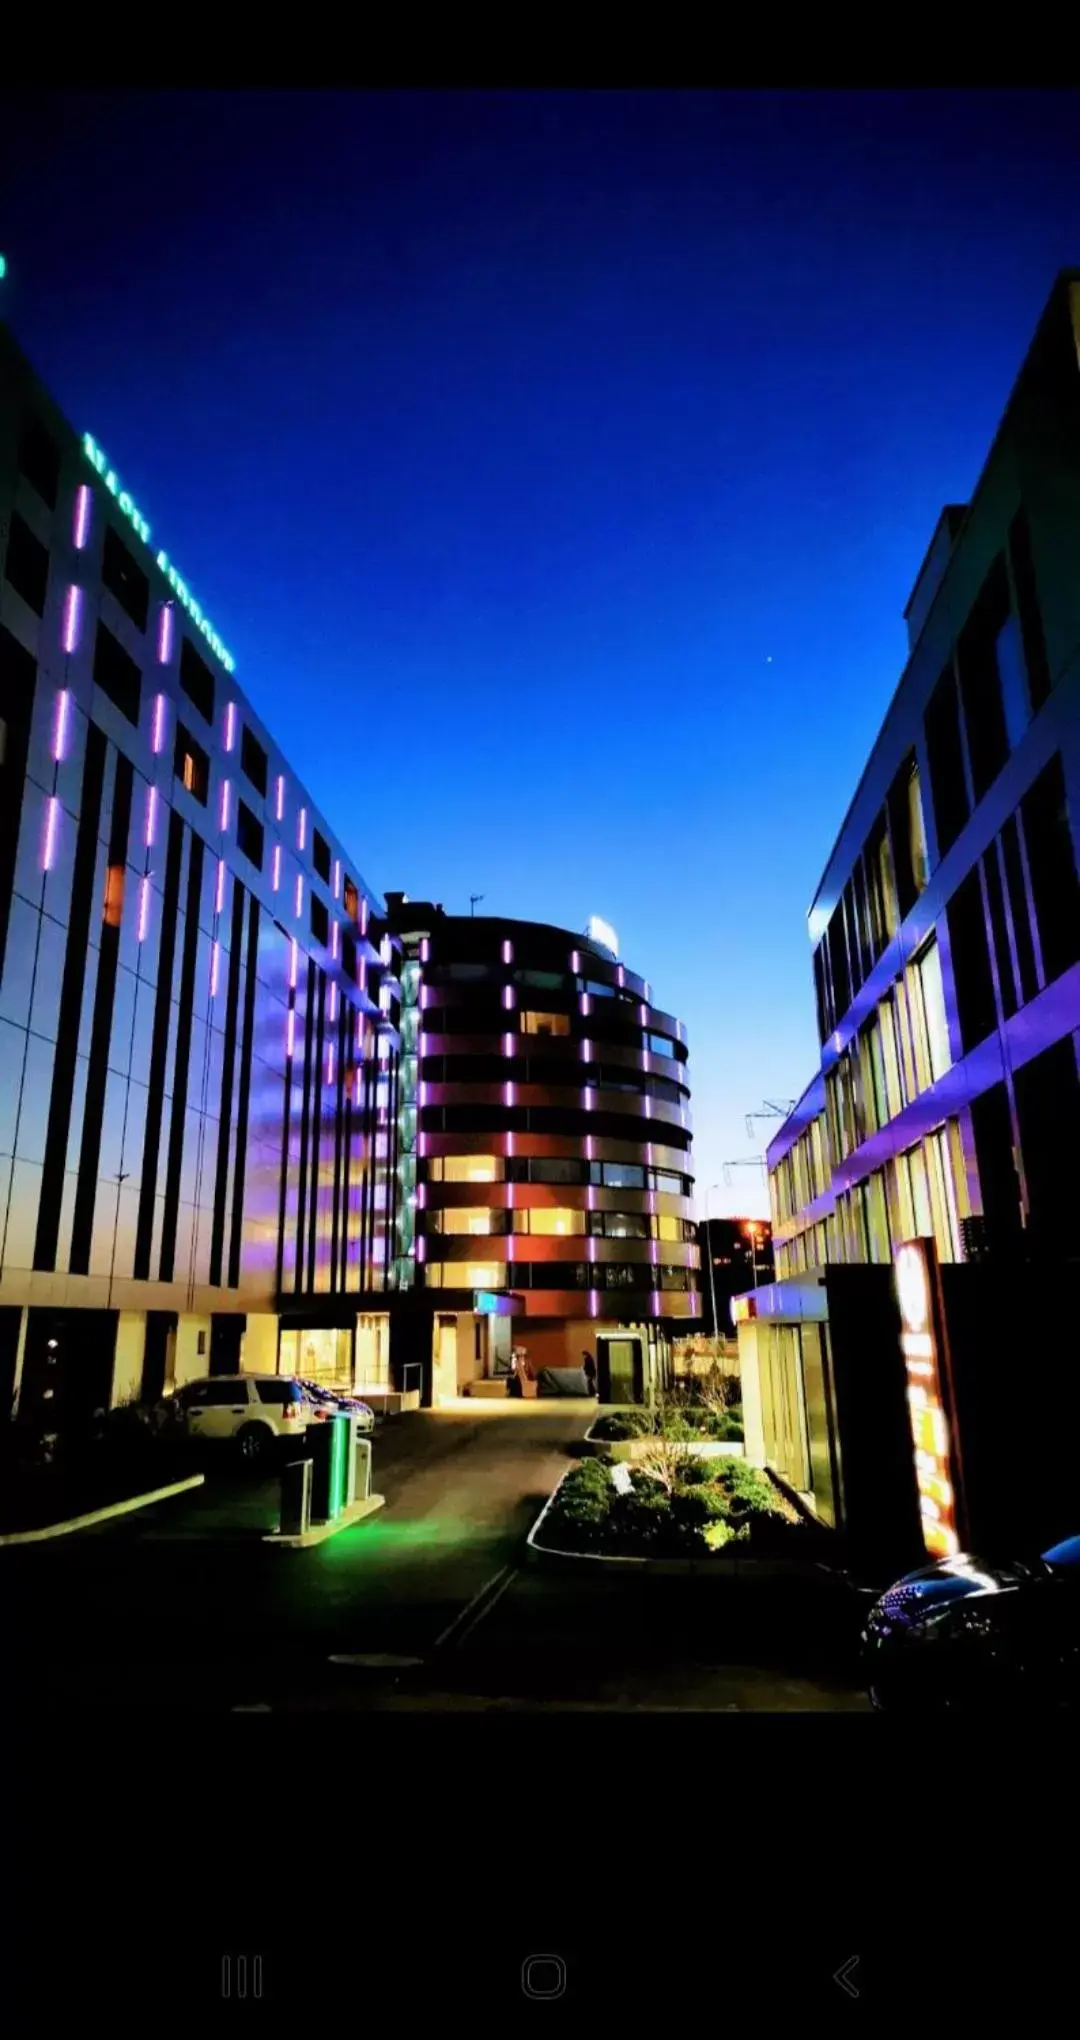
(557, 467)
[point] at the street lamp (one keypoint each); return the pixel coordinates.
(709, 1251)
(752, 1236)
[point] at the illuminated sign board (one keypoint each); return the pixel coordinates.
(929, 1425)
(489, 1303)
(603, 933)
(138, 523)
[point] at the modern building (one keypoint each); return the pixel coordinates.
(946, 969)
(736, 1255)
(199, 998)
(546, 1139)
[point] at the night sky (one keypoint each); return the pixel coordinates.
(557, 468)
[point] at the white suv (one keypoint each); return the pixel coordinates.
(252, 1408)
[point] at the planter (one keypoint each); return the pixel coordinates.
(727, 1565)
(621, 1450)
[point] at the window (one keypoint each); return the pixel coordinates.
(1048, 1112)
(838, 963)
(320, 855)
(27, 564)
(249, 834)
(39, 458)
(348, 956)
(555, 1169)
(1055, 891)
(943, 1196)
(124, 578)
(664, 1180)
(618, 1175)
(1019, 909)
(191, 764)
(465, 1169)
(196, 680)
(469, 1220)
(352, 900)
(550, 1220)
(545, 1023)
(280, 1392)
(980, 683)
(113, 909)
(225, 1392)
(877, 1094)
(465, 973)
(999, 928)
(972, 976)
(320, 919)
(928, 965)
(253, 760)
(995, 1155)
(881, 901)
(663, 1228)
(658, 1044)
(821, 994)
(894, 1094)
(1027, 601)
(945, 756)
(908, 836)
(1009, 654)
(546, 980)
(116, 674)
(877, 1218)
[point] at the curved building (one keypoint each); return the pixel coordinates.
(546, 1137)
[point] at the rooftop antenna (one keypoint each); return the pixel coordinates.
(747, 1162)
(474, 901)
(769, 1110)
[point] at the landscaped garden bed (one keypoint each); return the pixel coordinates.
(677, 1505)
(704, 1420)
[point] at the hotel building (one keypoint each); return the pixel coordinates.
(199, 997)
(546, 1142)
(945, 934)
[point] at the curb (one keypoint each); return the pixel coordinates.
(718, 1567)
(178, 1487)
(319, 1532)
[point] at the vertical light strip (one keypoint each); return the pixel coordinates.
(586, 1051)
(643, 1015)
(508, 997)
(165, 633)
(60, 726)
(52, 829)
(365, 912)
(508, 1043)
(279, 797)
(72, 618)
(575, 962)
(335, 938)
(151, 815)
(330, 1064)
(508, 1094)
(333, 1003)
(302, 829)
(226, 791)
(230, 726)
(299, 894)
(508, 952)
(275, 868)
(585, 1003)
(621, 976)
(144, 909)
(290, 1031)
(82, 516)
(219, 890)
(594, 1303)
(294, 963)
(157, 738)
(337, 878)
(215, 968)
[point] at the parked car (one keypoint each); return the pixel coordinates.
(252, 1409)
(326, 1402)
(974, 1632)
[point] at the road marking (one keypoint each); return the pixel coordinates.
(482, 1602)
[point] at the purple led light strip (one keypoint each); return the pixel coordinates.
(157, 739)
(52, 826)
(144, 909)
(72, 618)
(60, 727)
(165, 634)
(82, 516)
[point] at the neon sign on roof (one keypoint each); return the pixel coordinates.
(138, 523)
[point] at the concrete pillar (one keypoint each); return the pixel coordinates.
(259, 1343)
(128, 1355)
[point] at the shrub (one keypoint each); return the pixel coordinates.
(621, 1424)
(588, 1477)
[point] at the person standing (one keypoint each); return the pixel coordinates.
(588, 1368)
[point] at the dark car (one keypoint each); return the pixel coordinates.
(328, 1402)
(973, 1632)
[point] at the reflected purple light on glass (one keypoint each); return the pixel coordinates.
(421, 1144)
(230, 725)
(52, 826)
(655, 1303)
(590, 1247)
(652, 1201)
(82, 516)
(362, 973)
(275, 869)
(157, 734)
(654, 1251)
(219, 889)
(589, 1145)
(144, 910)
(72, 618)
(508, 952)
(151, 815)
(60, 727)
(337, 878)
(648, 995)
(165, 634)
(358, 1039)
(364, 914)
(299, 893)
(302, 828)
(279, 797)
(649, 1155)
(594, 1303)
(421, 1094)
(290, 1031)
(215, 968)
(294, 959)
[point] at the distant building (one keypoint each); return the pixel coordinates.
(740, 1251)
(544, 1133)
(946, 968)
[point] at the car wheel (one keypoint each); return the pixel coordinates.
(253, 1443)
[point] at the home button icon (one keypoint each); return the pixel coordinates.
(543, 1976)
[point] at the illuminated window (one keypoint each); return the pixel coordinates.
(352, 900)
(191, 764)
(466, 1169)
(917, 832)
(928, 966)
(320, 854)
(114, 895)
(668, 1229)
(468, 1220)
(545, 1023)
(558, 1220)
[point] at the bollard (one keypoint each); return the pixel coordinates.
(295, 1513)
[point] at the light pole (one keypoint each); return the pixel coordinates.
(752, 1236)
(712, 1269)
